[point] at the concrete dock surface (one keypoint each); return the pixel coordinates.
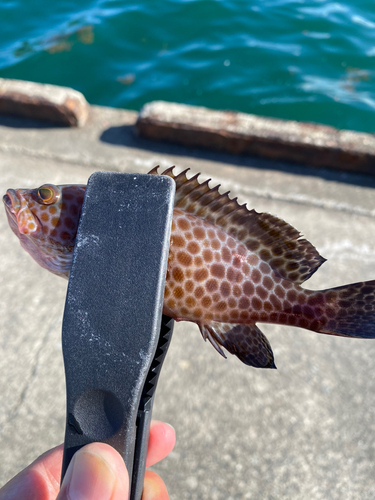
(303, 431)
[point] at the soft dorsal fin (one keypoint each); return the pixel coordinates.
(246, 342)
(273, 239)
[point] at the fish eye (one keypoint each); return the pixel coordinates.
(47, 194)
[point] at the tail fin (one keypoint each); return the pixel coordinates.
(349, 310)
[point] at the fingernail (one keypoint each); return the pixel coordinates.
(89, 477)
(171, 427)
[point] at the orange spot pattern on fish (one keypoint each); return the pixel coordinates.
(227, 293)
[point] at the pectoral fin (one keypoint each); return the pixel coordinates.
(246, 342)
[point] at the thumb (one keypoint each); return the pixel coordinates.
(96, 472)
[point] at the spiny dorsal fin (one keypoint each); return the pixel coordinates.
(273, 239)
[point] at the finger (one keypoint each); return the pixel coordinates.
(161, 442)
(96, 471)
(154, 487)
(39, 481)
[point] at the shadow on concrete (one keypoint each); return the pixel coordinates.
(126, 136)
(19, 122)
(122, 135)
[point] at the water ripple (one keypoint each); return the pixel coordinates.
(297, 59)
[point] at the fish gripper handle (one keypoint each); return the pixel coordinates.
(114, 339)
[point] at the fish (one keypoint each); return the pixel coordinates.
(229, 267)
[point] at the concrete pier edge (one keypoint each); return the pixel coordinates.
(231, 132)
(51, 103)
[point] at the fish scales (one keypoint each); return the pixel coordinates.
(228, 268)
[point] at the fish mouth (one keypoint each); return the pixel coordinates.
(7, 201)
(11, 202)
(11, 213)
(20, 217)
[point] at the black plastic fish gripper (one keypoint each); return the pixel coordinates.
(114, 335)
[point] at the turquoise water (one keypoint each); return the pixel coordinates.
(310, 60)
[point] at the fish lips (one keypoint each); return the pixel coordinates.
(13, 202)
(11, 213)
(10, 200)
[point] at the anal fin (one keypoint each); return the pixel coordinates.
(246, 342)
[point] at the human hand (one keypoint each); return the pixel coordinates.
(96, 472)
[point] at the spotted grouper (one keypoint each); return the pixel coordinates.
(228, 268)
